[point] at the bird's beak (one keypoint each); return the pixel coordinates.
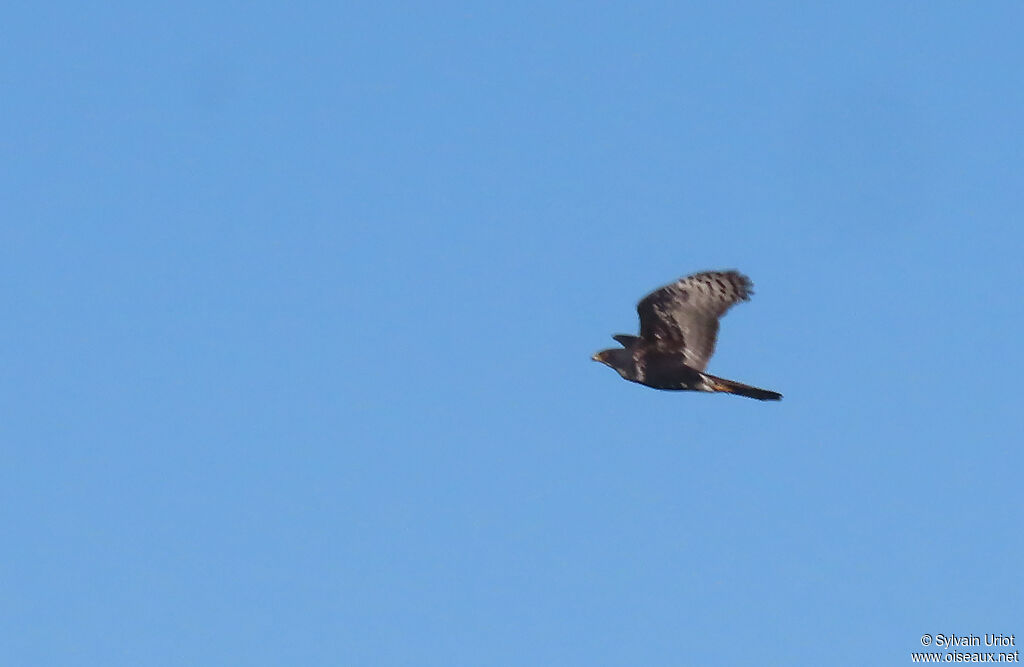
(596, 357)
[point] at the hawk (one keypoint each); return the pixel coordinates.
(678, 329)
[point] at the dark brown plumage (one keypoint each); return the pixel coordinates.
(678, 331)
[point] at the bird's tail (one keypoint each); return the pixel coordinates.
(733, 387)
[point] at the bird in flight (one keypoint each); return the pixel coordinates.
(678, 329)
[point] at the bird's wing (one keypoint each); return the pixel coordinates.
(683, 316)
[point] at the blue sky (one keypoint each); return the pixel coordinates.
(299, 305)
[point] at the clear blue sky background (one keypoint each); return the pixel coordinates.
(299, 303)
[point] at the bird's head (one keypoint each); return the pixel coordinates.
(619, 359)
